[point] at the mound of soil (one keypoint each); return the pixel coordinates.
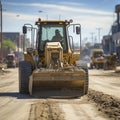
(106, 103)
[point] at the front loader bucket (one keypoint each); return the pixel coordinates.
(56, 80)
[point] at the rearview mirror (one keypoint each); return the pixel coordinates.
(24, 29)
(77, 30)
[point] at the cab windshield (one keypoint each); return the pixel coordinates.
(52, 33)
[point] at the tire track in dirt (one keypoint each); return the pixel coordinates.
(5, 84)
(4, 102)
(45, 110)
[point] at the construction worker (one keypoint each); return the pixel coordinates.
(57, 37)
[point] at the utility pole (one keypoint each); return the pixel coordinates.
(0, 29)
(99, 29)
(92, 37)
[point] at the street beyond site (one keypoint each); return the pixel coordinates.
(102, 101)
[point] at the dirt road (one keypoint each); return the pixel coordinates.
(15, 106)
(105, 81)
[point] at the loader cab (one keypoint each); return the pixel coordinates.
(68, 32)
(52, 31)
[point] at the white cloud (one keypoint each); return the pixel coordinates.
(12, 15)
(71, 3)
(89, 19)
(62, 7)
(90, 23)
(13, 22)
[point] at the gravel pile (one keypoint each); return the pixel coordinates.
(106, 103)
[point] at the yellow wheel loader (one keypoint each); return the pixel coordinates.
(54, 64)
(97, 59)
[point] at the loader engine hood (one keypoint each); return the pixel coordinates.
(53, 55)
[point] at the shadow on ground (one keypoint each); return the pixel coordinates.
(16, 95)
(42, 95)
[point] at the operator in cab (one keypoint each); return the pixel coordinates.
(57, 37)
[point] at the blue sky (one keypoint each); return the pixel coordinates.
(91, 14)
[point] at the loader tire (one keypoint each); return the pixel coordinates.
(25, 70)
(83, 65)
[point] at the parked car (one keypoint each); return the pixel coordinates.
(11, 60)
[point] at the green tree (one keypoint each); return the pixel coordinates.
(8, 44)
(88, 44)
